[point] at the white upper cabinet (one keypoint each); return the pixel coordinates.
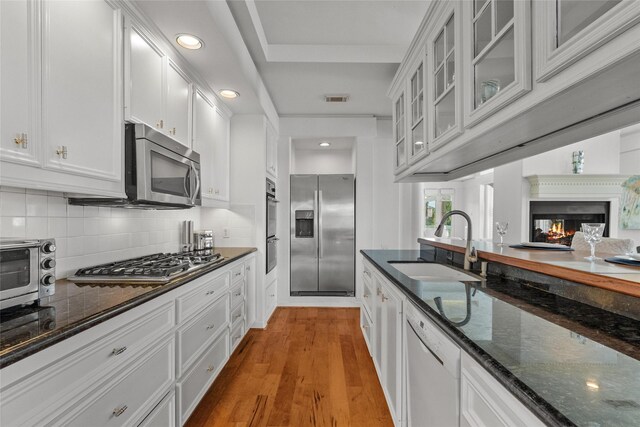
(443, 54)
(221, 157)
(144, 82)
(272, 151)
(17, 80)
(497, 50)
(81, 88)
(418, 127)
(399, 132)
(567, 31)
(157, 92)
(177, 104)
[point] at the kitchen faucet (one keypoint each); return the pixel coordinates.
(470, 252)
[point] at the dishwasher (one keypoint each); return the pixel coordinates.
(433, 374)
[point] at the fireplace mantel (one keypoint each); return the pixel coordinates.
(576, 186)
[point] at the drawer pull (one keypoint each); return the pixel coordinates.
(211, 327)
(239, 274)
(366, 295)
(368, 273)
(272, 295)
(210, 368)
(210, 292)
(383, 297)
(365, 327)
(237, 294)
(119, 411)
(237, 316)
(117, 351)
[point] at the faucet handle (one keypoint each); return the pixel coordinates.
(473, 255)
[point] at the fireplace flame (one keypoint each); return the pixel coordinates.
(557, 232)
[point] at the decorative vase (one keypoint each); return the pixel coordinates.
(578, 161)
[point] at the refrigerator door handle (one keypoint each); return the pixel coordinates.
(315, 214)
(320, 252)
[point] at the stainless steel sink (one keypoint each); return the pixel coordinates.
(430, 272)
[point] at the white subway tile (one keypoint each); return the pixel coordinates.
(75, 227)
(37, 227)
(91, 244)
(36, 192)
(57, 227)
(61, 248)
(74, 211)
(13, 227)
(5, 188)
(75, 246)
(91, 211)
(104, 212)
(12, 204)
(36, 205)
(57, 206)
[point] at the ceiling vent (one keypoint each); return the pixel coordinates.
(336, 98)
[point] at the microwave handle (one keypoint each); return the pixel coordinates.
(197, 177)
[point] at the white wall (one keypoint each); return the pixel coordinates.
(511, 198)
(322, 161)
(87, 235)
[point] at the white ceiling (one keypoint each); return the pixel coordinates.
(302, 49)
(314, 144)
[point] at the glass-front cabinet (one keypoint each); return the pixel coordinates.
(446, 91)
(572, 29)
(419, 147)
(399, 124)
(499, 56)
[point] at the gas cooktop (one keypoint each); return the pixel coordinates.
(156, 268)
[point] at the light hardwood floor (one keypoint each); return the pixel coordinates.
(309, 367)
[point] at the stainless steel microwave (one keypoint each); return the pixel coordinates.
(27, 271)
(160, 173)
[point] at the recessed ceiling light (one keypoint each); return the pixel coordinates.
(229, 94)
(189, 41)
(325, 144)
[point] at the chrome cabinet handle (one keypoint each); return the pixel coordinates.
(62, 151)
(210, 368)
(210, 292)
(272, 295)
(237, 294)
(237, 316)
(119, 411)
(367, 272)
(378, 291)
(160, 124)
(117, 351)
(21, 140)
(238, 274)
(211, 326)
(248, 268)
(365, 327)
(366, 295)
(384, 297)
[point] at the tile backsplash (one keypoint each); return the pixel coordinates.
(89, 235)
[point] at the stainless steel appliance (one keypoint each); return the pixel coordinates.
(186, 238)
(203, 239)
(160, 173)
(433, 372)
(272, 226)
(27, 271)
(151, 269)
(322, 234)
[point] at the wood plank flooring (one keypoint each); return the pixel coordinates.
(309, 367)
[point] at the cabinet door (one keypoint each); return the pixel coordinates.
(417, 128)
(177, 104)
(378, 323)
(497, 45)
(250, 302)
(204, 136)
(144, 88)
(18, 82)
(399, 130)
(392, 348)
(81, 88)
(221, 157)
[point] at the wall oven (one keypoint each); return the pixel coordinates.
(272, 212)
(160, 173)
(27, 271)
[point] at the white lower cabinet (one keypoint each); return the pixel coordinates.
(164, 414)
(131, 396)
(486, 403)
(271, 299)
(195, 383)
(235, 337)
(367, 329)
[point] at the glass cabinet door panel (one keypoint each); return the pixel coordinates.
(504, 13)
(439, 50)
(400, 154)
(418, 142)
(450, 38)
(439, 82)
(451, 69)
(495, 70)
(445, 114)
(575, 15)
(478, 5)
(482, 30)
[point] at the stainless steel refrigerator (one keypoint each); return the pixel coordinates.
(322, 235)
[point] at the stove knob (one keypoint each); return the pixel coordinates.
(48, 248)
(48, 279)
(48, 263)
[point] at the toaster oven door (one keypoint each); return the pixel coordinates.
(19, 271)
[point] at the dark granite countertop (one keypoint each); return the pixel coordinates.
(75, 308)
(570, 363)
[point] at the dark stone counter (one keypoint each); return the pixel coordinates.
(75, 308)
(569, 362)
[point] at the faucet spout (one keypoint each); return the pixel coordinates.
(470, 254)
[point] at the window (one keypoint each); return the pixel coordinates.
(437, 202)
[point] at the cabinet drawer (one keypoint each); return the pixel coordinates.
(67, 378)
(368, 295)
(270, 299)
(193, 337)
(163, 415)
(367, 328)
(198, 380)
(236, 335)
(237, 294)
(237, 315)
(202, 296)
(237, 273)
(131, 395)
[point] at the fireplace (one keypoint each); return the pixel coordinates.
(557, 221)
